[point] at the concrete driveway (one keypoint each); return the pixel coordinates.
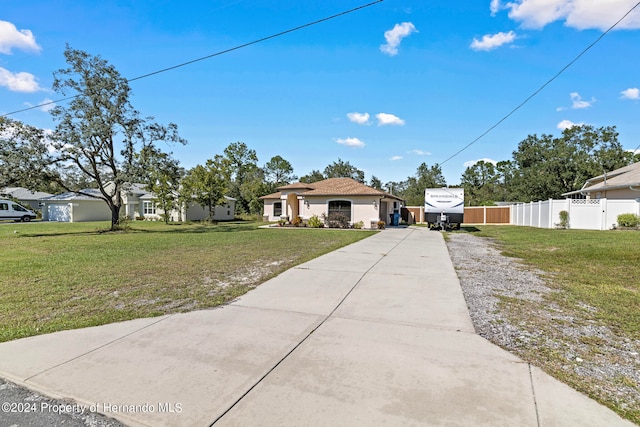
(376, 333)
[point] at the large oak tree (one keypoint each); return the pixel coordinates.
(99, 133)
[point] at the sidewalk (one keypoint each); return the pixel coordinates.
(376, 333)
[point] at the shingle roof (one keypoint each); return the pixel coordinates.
(625, 177)
(22, 193)
(332, 187)
(619, 178)
(75, 196)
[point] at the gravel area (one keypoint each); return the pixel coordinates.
(25, 408)
(511, 306)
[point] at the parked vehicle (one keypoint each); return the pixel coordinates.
(444, 208)
(12, 210)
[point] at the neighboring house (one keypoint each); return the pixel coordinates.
(620, 184)
(73, 207)
(358, 202)
(26, 197)
(137, 203)
(225, 212)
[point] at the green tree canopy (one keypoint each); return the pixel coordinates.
(412, 190)
(313, 176)
(342, 169)
(278, 172)
(207, 185)
(243, 165)
(25, 157)
(546, 167)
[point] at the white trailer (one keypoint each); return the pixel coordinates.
(444, 208)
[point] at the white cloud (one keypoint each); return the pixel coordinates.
(395, 36)
(359, 118)
(350, 142)
(420, 152)
(394, 158)
(490, 42)
(578, 102)
(567, 124)
(473, 162)
(580, 14)
(45, 105)
(495, 7)
(385, 119)
(11, 38)
(18, 82)
(631, 93)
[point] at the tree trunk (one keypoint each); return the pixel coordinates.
(115, 217)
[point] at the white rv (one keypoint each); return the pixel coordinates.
(12, 210)
(444, 208)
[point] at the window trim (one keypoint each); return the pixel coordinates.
(148, 208)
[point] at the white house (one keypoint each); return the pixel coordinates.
(356, 201)
(73, 207)
(137, 203)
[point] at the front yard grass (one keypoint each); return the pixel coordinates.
(598, 269)
(56, 276)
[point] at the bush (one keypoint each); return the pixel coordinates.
(337, 220)
(358, 225)
(564, 219)
(315, 222)
(297, 221)
(381, 225)
(628, 220)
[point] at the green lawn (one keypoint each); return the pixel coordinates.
(598, 268)
(56, 276)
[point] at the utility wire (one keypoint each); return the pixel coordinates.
(499, 122)
(222, 52)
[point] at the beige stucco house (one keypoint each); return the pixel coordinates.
(358, 202)
(620, 184)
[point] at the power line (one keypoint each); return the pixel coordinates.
(222, 52)
(499, 122)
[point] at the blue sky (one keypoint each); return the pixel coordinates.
(386, 88)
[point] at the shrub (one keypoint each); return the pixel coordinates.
(297, 221)
(381, 225)
(628, 220)
(358, 225)
(337, 220)
(564, 219)
(315, 222)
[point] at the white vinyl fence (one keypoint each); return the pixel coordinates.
(592, 214)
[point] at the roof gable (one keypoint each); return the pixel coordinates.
(330, 187)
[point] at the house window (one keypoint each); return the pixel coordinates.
(277, 209)
(340, 206)
(149, 208)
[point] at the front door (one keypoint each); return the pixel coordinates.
(383, 212)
